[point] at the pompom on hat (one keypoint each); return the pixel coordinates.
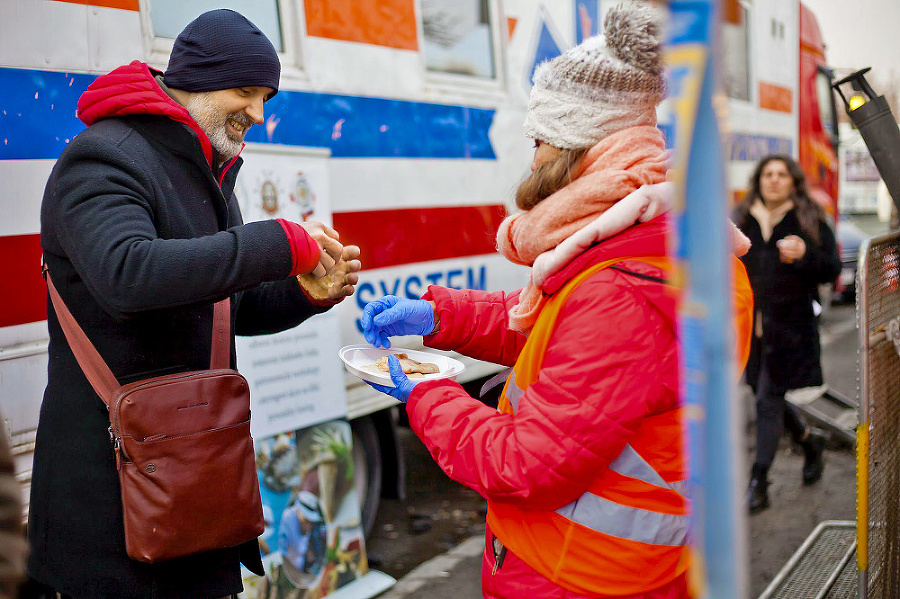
(605, 84)
(222, 49)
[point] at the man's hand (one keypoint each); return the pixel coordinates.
(345, 277)
(329, 240)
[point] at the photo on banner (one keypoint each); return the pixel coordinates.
(313, 543)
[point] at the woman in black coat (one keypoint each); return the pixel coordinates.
(793, 252)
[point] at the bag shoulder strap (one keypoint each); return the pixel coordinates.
(95, 368)
(220, 352)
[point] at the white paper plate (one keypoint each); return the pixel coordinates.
(360, 360)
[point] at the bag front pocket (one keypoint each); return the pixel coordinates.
(190, 493)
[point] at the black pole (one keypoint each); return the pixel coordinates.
(879, 130)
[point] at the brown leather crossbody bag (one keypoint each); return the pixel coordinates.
(183, 448)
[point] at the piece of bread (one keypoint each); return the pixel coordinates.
(317, 287)
(408, 365)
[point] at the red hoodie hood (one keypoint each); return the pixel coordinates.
(132, 90)
(640, 240)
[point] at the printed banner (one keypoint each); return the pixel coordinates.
(296, 378)
(314, 541)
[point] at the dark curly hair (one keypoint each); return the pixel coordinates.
(809, 213)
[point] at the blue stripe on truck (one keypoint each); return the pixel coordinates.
(37, 120)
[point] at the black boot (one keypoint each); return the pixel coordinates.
(813, 461)
(758, 490)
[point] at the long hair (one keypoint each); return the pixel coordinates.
(548, 178)
(809, 213)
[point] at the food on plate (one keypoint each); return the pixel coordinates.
(409, 365)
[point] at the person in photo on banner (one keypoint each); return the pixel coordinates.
(142, 234)
(582, 464)
(793, 252)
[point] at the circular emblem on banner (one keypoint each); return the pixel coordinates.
(269, 195)
(305, 197)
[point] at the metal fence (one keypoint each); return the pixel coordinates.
(822, 568)
(878, 436)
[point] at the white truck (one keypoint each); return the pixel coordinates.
(403, 115)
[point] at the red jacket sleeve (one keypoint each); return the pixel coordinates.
(612, 359)
(475, 323)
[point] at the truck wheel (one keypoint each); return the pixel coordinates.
(367, 469)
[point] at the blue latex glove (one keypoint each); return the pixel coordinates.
(402, 385)
(392, 315)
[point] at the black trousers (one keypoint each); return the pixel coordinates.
(773, 414)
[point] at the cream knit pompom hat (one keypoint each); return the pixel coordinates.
(605, 84)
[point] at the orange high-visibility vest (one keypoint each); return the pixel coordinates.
(627, 533)
(743, 312)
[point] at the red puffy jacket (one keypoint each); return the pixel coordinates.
(612, 360)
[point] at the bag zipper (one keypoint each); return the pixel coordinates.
(116, 443)
(116, 439)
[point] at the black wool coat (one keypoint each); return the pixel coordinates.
(783, 295)
(141, 239)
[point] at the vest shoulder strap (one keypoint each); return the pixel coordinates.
(529, 362)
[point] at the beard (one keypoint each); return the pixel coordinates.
(212, 119)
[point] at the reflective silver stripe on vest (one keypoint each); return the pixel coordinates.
(631, 464)
(680, 486)
(624, 522)
(608, 517)
(513, 392)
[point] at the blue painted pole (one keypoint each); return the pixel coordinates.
(709, 379)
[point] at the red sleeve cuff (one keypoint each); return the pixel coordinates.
(443, 314)
(305, 252)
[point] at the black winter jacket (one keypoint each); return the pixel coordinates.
(783, 295)
(141, 237)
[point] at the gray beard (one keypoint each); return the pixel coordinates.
(212, 119)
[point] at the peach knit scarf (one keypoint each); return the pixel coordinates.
(618, 165)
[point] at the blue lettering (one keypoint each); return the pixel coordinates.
(452, 275)
(366, 288)
(412, 286)
(413, 280)
(384, 288)
(481, 283)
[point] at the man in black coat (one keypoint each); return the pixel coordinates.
(142, 234)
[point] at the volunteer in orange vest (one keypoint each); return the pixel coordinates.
(582, 464)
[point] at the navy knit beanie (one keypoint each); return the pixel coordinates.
(221, 49)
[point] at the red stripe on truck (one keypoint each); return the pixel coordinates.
(121, 4)
(408, 235)
(386, 238)
(23, 294)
